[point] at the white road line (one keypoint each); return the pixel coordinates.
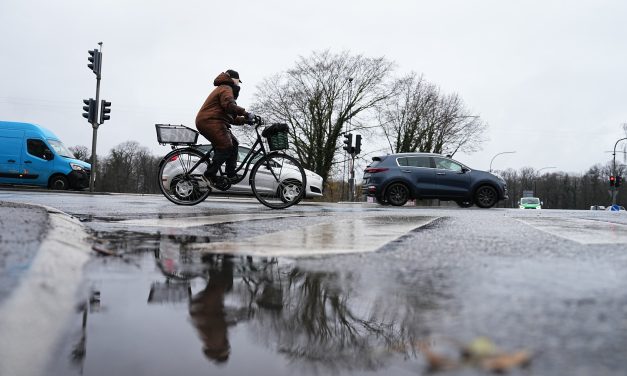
(582, 231)
(365, 234)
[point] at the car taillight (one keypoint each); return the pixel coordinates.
(374, 170)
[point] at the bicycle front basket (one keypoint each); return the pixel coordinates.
(277, 136)
(176, 134)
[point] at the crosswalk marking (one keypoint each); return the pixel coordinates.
(582, 231)
(364, 234)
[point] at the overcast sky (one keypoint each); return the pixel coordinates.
(548, 76)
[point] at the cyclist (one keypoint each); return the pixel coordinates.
(214, 122)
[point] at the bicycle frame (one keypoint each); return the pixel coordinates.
(254, 151)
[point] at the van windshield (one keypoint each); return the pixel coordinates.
(60, 149)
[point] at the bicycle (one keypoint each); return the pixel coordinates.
(277, 179)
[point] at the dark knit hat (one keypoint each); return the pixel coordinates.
(233, 74)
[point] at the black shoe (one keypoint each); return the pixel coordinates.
(233, 179)
(211, 178)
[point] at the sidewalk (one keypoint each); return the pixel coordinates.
(42, 254)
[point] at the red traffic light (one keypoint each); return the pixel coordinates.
(612, 181)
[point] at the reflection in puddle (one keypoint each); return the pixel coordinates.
(187, 312)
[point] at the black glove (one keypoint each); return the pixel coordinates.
(250, 118)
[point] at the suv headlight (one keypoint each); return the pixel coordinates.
(76, 167)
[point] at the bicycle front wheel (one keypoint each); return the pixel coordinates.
(278, 181)
(176, 180)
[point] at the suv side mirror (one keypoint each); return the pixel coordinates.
(464, 170)
(48, 155)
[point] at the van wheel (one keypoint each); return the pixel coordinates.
(59, 183)
(397, 194)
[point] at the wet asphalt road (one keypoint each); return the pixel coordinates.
(168, 300)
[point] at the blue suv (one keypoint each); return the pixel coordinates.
(394, 179)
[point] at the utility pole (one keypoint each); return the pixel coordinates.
(351, 179)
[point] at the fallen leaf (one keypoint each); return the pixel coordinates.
(437, 362)
(104, 251)
(505, 362)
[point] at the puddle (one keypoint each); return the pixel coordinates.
(165, 308)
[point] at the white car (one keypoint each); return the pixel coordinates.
(314, 181)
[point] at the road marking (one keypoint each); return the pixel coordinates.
(582, 231)
(365, 234)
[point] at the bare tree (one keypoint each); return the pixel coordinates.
(129, 167)
(318, 97)
(81, 152)
(419, 118)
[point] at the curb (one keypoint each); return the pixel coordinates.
(33, 317)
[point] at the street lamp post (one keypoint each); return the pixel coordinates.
(504, 152)
(614, 169)
(535, 181)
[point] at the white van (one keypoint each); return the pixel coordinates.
(32, 155)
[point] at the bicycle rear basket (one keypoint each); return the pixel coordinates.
(176, 134)
(277, 136)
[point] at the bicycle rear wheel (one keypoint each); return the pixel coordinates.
(278, 181)
(177, 183)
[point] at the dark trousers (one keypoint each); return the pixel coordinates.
(228, 155)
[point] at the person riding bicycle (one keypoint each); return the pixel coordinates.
(214, 121)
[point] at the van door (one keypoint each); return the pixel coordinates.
(10, 155)
(38, 164)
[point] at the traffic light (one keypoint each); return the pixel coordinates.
(104, 110)
(348, 143)
(357, 144)
(90, 109)
(612, 181)
(619, 180)
(95, 59)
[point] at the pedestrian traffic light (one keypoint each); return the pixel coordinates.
(104, 110)
(612, 180)
(95, 58)
(348, 143)
(619, 181)
(357, 144)
(90, 109)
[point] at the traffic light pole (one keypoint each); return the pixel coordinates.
(94, 139)
(351, 179)
(94, 125)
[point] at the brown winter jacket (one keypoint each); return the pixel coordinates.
(220, 105)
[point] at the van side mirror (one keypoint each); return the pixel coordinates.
(48, 155)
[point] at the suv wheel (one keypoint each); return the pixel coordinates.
(464, 203)
(486, 196)
(397, 194)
